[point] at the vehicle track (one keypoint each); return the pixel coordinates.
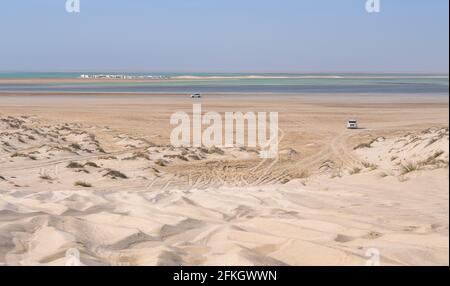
(70, 159)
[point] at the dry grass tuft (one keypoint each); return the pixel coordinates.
(82, 184)
(370, 166)
(108, 158)
(46, 177)
(137, 155)
(355, 171)
(75, 146)
(431, 162)
(74, 165)
(181, 157)
(383, 175)
(433, 159)
(365, 145)
(91, 164)
(115, 174)
(409, 167)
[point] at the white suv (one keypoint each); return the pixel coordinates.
(352, 124)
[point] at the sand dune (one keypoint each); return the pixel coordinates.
(276, 225)
(123, 198)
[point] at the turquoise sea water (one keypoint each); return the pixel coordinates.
(71, 75)
(239, 82)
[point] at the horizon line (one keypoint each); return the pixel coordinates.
(227, 72)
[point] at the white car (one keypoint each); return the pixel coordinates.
(352, 124)
(196, 95)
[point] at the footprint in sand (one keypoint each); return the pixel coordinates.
(411, 228)
(343, 238)
(373, 235)
(424, 229)
(437, 226)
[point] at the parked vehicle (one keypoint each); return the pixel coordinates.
(352, 124)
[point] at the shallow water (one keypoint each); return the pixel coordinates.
(240, 83)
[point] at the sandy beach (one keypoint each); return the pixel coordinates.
(97, 173)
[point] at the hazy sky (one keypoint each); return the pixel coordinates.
(225, 36)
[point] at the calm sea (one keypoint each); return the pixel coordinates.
(236, 83)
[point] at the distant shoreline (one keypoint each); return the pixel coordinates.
(178, 84)
(29, 78)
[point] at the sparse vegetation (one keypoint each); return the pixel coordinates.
(154, 170)
(383, 175)
(75, 146)
(302, 175)
(182, 158)
(18, 155)
(82, 184)
(370, 166)
(433, 159)
(215, 150)
(409, 167)
(91, 164)
(46, 177)
(362, 145)
(74, 165)
(137, 155)
(2, 178)
(115, 174)
(24, 156)
(355, 170)
(108, 158)
(432, 162)
(365, 145)
(432, 141)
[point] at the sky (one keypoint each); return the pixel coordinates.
(304, 36)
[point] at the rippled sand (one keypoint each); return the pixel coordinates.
(98, 174)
